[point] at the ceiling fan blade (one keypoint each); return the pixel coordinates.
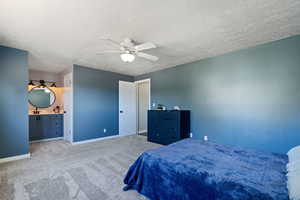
(147, 56)
(111, 41)
(145, 46)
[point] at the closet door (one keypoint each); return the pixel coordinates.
(127, 106)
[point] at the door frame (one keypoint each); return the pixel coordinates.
(137, 99)
(70, 139)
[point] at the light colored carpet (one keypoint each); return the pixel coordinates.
(60, 171)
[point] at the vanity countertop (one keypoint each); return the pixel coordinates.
(47, 114)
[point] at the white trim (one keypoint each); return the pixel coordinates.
(14, 158)
(71, 128)
(72, 108)
(47, 140)
(143, 80)
(97, 139)
(143, 131)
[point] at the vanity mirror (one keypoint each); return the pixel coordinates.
(41, 97)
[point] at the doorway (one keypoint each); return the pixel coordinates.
(143, 105)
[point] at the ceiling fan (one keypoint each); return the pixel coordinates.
(128, 50)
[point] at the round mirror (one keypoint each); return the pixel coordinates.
(41, 97)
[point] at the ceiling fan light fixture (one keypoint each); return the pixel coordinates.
(127, 57)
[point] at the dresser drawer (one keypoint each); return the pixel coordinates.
(158, 137)
(166, 127)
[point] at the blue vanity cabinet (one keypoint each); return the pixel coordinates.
(34, 127)
(56, 125)
(45, 126)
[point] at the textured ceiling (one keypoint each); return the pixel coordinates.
(59, 33)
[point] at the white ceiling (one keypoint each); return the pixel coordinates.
(59, 33)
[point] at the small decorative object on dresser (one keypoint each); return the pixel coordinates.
(56, 109)
(166, 127)
(176, 108)
(161, 107)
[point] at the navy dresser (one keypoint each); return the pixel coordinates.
(45, 126)
(166, 127)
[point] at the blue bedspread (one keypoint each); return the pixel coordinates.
(195, 170)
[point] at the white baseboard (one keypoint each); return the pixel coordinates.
(47, 140)
(97, 139)
(143, 131)
(14, 158)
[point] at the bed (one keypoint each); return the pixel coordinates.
(200, 170)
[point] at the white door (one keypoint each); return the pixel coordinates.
(127, 108)
(68, 107)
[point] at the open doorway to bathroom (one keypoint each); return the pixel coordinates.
(143, 105)
(46, 111)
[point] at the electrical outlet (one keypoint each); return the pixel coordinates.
(191, 135)
(104, 130)
(205, 138)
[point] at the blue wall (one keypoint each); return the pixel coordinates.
(13, 102)
(249, 98)
(96, 102)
